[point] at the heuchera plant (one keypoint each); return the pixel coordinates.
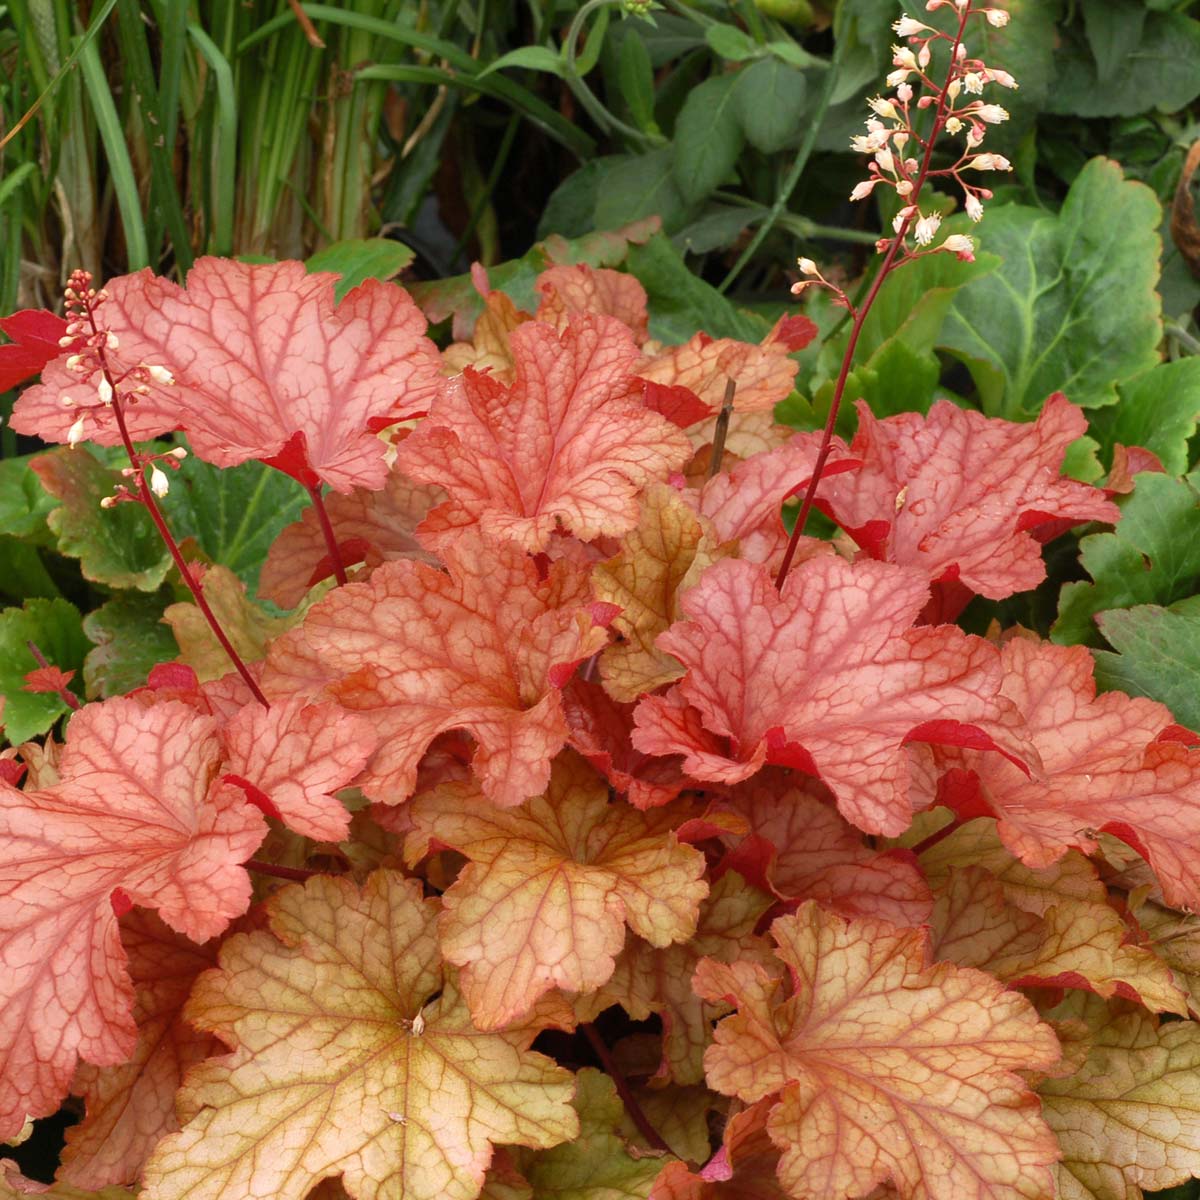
(565, 720)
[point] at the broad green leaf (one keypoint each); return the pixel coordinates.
(1158, 655)
(769, 99)
(636, 74)
(54, 627)
(638, 186)
(718, 226)
(1152, 557)
(352, 1055)
(708, 138)
(1072, 306)
(681, 302)
(1151, 66)
(1157, 409)
(358, 259)
(731, 43)
(22, 572)
(1027, 48)
(24, 503)
(128, 638)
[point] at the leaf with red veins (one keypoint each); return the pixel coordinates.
(883, 1067)
(1082, 945)
(568, 291)
(800, 848)
(34, 335)
(657, 980)
(485, 647)
(955, 493)
(568, 445)
(551, 885)
(14, 1186)
(131, 1106)
(745, 504)
(827, 677)
(48, 679)
(1102, 772)
(353, 1055)
(488, 348)
(295, 755)
(370, 527)
(600, 728)
(267, 367)
(743, 1169)
(764, 373)
(657, 561)
(132, 812)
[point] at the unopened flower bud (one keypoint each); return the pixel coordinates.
(885, 160)
(108, 502)
(104, 390)
(990, 162)
(953, 88)
(160, 375)
(924, 55)
(160, 485)
(179, 453)
(864, 189)
(904, 187)
(996, 17)
(902, 56)
(904, 94)
(807, 266)
(111, 341)
(64, 342)
(75, 433)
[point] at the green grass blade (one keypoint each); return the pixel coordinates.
(225, 166)
(119, 165)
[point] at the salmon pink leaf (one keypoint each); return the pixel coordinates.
(34, 335)
(296, 755)
(882, 1067)
(353, 1056)
(485, 648)
(370, 527)
(955, 493)
(266, 366)
(568, 444)
(800, 848)
(549, 887)
(827, 676)
(131, 1106)
(569, 290)
(132, 810)
(1102, 774)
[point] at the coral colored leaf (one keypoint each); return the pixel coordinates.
(484, 648)
(657, 980)
(569, 443)
(570, 290)
(1175, 938)
(745, 1168)
(663, 556)
(764, 373)
(884, 1068)
(352, 1055)
(489, 348)
(14, 1186)
(264, 362)
(132, 809)
(598, 1164)
(1101, 772)
(955, 493)
(296, 755)
(35, 335)
(247, 625)
(1129, 1118)
(800, 848)
(131, 1106)
(551, 885)
(826, 676)
(1076, 944)
(600, 727)
(49, 680)
(370, 527)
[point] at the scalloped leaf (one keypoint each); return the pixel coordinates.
(551, 885)
(352, 1055)
(133, 813)
(882, 1067)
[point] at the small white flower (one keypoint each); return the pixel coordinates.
(864, 189)
(908, 27)
(64, 342)
(902, 56)
(996, 17)
(111, 341)
(178, 453)
(990, 162)
(993, 114)
(883, 107)
(1003, 78)
(974, 206)
(974, 135)
(104, 390)
(960, 244)
(904, 94)
(925, 228)
(75, 433)
(108, 502)
(807, 266)
(884, 159)
(899, 219)
(860, 144)
(160, 375)
(953, 88)
(953, 125)
(160, 485)
(973, 82)
(904, 187)
(896, 78)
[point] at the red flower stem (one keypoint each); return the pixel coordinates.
(632, 1107)
(331, 542)
(298, 874)
(860, 316)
